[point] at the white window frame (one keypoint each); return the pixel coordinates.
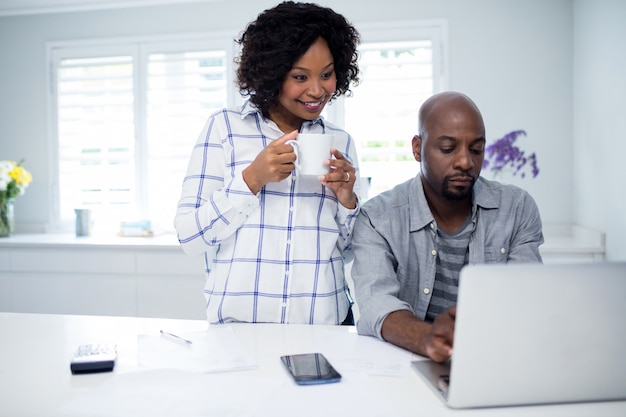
(397, 31)
(435, 30)
(139, 48)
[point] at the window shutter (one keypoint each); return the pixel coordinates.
(396, 77)
(183, 89)
(127, 112)
(126, 126)
(96, 140)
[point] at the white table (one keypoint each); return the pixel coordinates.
(35, 379)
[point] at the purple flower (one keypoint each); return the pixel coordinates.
(502, 154)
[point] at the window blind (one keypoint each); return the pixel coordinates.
(126, 126)
(183, 88)
(96, 143)
(125, 115)
(382, 114)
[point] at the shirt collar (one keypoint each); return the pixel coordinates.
(484, 196)
(419, 211)
(314, 125)
(248, 109)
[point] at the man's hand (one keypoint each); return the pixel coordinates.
(434, 340)
(438, 341)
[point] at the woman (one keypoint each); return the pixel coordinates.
(274, 240)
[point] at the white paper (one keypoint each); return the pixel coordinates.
(354, 395)
(214, 350)
(170, 393)
(362, 354)
(376, 357)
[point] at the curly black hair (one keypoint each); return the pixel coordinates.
(280, 36)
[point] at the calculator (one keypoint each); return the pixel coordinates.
(94, 358)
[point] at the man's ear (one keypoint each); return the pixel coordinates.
(417, 148)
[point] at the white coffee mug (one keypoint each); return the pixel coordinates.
(312, 149)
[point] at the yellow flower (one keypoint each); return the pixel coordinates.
(13, 179)
(21, 176)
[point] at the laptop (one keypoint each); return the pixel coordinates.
(535, 334)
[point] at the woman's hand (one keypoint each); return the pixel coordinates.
(340, 179)
(272, 164)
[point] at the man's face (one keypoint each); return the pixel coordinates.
(451, 151)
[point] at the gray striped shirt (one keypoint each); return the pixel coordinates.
(395, 254)
(452, 255)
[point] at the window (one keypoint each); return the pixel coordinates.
(400, 69)
(126, 113)
(96, 133)
(126, 117)
(183, 88)
(398, 73)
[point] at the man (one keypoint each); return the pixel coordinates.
(411, 242)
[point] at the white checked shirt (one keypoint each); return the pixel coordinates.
(272, 257)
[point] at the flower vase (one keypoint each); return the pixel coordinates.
(7, 219)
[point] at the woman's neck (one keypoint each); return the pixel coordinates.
(285, 122)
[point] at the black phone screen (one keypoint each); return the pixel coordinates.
(310, 368)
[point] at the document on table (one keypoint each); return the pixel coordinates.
(363, 354)
(214, 350)
(375, 357)
(170, 393)
(355, 395)
(167, 393)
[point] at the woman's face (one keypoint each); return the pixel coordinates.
(306, 89)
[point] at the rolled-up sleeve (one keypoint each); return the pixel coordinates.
(374, 274)
(209, 211)
(528, 235)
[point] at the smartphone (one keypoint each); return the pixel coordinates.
(310, 368)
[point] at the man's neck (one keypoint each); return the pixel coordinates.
(449, 214)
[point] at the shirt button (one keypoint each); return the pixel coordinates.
(287, 273)
(434, 252)
(502, 250)
(432, 226)
(426, 291)
(291, 208)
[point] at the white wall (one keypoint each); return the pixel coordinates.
(599, 120)
(515, 58)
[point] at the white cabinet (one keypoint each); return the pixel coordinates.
(570, 243)
(152, 277)
(145, 277)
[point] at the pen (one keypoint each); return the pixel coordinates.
(176, 338)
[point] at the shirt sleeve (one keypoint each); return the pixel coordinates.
(375, 279)
(209, 210)
(346, 218)
(528, 235)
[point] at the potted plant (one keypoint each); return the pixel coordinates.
(504, 156)
(14, 180)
